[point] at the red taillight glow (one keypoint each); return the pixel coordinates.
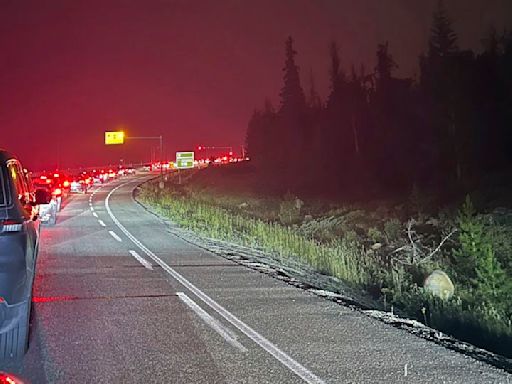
(11, 226)
(53, 299)
(66, 183)
(6, 378)
(57, 192)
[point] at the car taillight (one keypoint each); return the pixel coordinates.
(6, 378)
(66, 183)
(57, 192)
(11, 226)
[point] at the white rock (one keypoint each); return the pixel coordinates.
(439, 284)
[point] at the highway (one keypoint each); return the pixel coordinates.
(119, 299)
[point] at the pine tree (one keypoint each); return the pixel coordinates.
(337, 75)
(491, 278)
(261, 137)
(385, 63)
(314, 101)
(443, 39)
(292, 95)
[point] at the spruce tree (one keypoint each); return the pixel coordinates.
(292, 95)
(336, 74)
(385, 63)
(443, 39)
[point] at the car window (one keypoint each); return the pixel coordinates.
(17, 178)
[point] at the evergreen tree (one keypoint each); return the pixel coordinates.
(292, 95)
(261, 138)
(294, 132)
(336, 74)
(314, 101)
(385, 63)
(443, 39)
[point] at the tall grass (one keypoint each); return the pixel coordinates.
(343, 257)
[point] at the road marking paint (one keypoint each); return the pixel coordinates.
(101, 223)
(293, 365)
(115, 236)
(95, 214)
(141, 260)
(229, 336)
(92, 209)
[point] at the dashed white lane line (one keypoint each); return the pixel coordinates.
(92, 209)
(95, 214)
(293, 365)
(211, 322)
(102, 223)
(115, 236)
(141, 260)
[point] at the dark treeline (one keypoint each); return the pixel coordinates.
(378, 135)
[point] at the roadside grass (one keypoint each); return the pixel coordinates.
(358, 247)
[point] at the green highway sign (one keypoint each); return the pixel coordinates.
(184, 160)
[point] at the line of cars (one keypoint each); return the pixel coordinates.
(25, 202)
(61, 184)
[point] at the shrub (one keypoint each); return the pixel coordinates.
(392, 230)
(289, 210)
(375, 235)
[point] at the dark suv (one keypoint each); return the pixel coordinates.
(19, 240)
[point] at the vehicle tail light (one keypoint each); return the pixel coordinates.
(57, 192)
(6, 378)
(11, 226)
(66, 183)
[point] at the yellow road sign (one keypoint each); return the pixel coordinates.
(114, 137)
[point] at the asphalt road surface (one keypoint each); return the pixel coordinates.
(118, 299)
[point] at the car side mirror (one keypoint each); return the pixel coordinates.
(43, 196)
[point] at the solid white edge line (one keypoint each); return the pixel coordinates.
(102, 223)
(212, 322)
(115, 236)
(141, 260)
(301, 371)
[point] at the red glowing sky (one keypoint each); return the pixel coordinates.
(192, 71)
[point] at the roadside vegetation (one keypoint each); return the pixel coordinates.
(388, 184)
(384, 251)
